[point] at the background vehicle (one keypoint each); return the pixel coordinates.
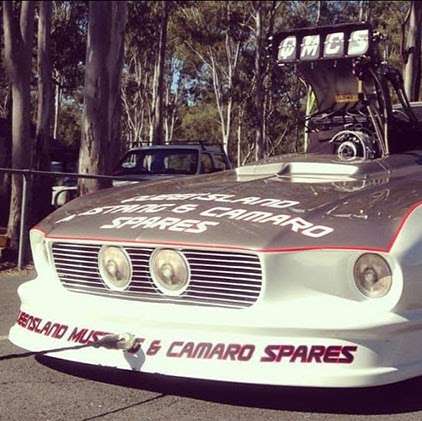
(173, 160)
(152, 162)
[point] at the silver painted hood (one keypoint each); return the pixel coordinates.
(289, 202)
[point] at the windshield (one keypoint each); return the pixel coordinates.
(159, 161)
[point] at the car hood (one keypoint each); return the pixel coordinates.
(282, 204)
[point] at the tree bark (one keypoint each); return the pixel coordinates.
(259, 90)
(412, 68)
(57, 104)
(18, 36)
(223, 63)
(361, 10)
(6, 160)
(136, 102)
(101, 116)
(157, 134)
(240, 115)
(44, 84)
(42, 189)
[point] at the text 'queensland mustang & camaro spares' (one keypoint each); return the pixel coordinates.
(300, 270)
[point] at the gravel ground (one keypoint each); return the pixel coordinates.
(47, 389)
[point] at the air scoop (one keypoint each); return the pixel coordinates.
(313, 169)
(330, 170)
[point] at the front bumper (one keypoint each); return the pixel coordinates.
(323, 346)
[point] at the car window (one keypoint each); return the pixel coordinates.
(185, 163)
(220, 163)
(130, 160)
(159, 161)
(206, 164)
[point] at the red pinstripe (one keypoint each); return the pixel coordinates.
(390, 245)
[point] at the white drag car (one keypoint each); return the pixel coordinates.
(302, 270)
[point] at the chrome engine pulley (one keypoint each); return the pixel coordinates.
(354, 144)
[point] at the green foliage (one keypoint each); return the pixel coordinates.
(199, 122)
(389, 21)
(68, 43)
(142, 29)
(70, 128)
(194, 29)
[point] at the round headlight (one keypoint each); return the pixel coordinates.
(115, 267)
(372, 275)
(169, 271)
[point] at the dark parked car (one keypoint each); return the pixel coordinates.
(178, 159)
(154, 162)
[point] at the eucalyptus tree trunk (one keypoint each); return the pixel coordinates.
(264, 14)
(44, 84)
(42, 188)
(157, 132)
(225, 106)
(57, 104)
(310, 99)
(222, 59)
(363, 10)
(171, 114)
(239, 133)
(259, 90)
(18, 30)
(412, 67)
(6, 160)
(100, 144)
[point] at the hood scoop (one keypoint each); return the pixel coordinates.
(312, 171)
(322, 171)
(251, 172)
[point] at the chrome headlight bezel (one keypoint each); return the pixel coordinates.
(373, 275)
(157, 271)
(124, 267)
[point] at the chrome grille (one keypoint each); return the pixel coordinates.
(218, 279)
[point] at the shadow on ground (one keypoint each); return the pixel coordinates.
(392, 399)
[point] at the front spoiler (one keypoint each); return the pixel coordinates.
(345, 359)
